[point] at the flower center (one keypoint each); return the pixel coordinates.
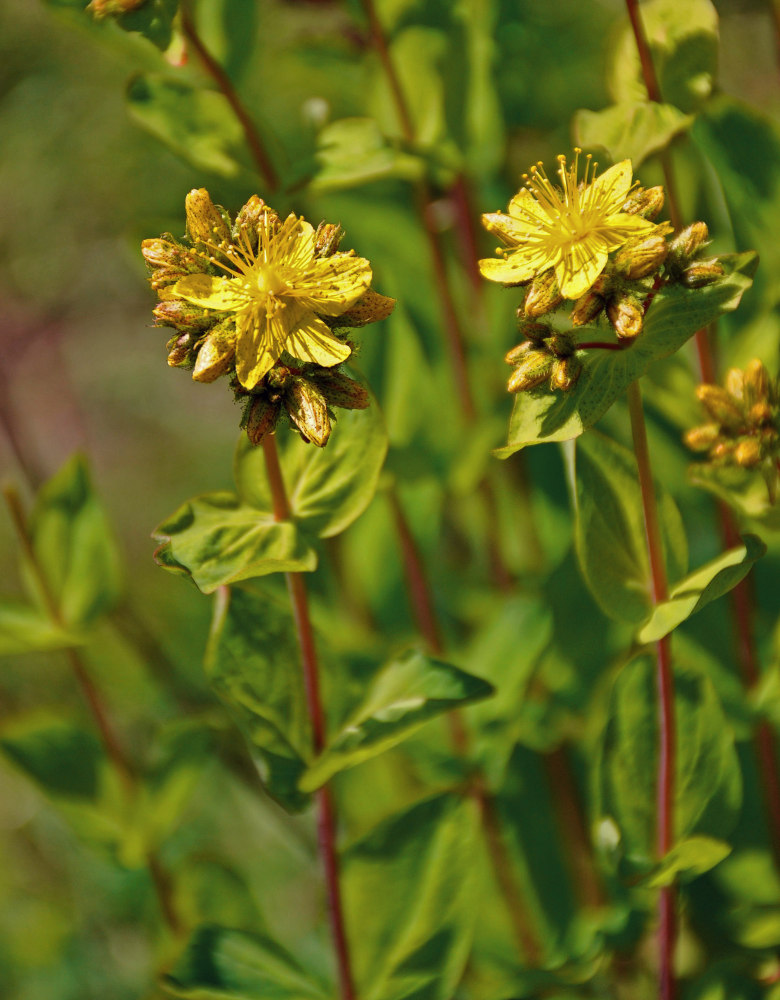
(265, 281)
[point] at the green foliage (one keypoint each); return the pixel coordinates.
(64, 759)
(24, 629)
(630, 131)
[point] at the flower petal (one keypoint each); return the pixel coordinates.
(210, 293)
(330, 285)
(526, 209)
(259, 344)
(313, 341)
(511, 230)
(609, 189)
(578, 268)
(516, 268)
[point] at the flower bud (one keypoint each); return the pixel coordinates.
(206, 223)
(565, 373)
(561, 345)
(723, 451)
(216, 353)
(735, 383)
(642, 259)
(339, 390)
(702, 438)
(172, 259)
(371, 307)
(538, 332)
(543, 295)
(685, 245)
(760, 414)
(757, 380)
(308, 410)
(702, 273)
(516, 354)
(720, 405)
(748, 453)
(646, 202)
(586, 308)
(180, 351)
(249, 217)
(327, 239)
(182, 316)
(261, 418)
(531, 372)
(626, 316)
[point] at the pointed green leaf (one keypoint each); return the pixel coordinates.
(224, 964)
(699, 588)
(610, 531)
(217, 540)
(328, 488)
(24, 629)
(675, 314)
(353, 151)
(59, 756)
(404, 695)
(708, 778)
(689, 858)
(73, 546)
(415, 940)
(253, 663)
(198, 125)
(630, 131)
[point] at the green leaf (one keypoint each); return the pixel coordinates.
(353, 151)
(699, 588)
(217, 540)
(198, 125)
(253, 663)
(327, 488)
(224, 964)
(743, 489)
(683, 41)
(228, 31)
(610, 530)
(73, 546)
(415, 940)
(59, 756)
(630, 131)
(708, 777)
(403, 696)
(24, 629)
(675, 314)
(153, 19)
(689, 858)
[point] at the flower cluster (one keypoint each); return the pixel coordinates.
(265, 301)
(591, 242)
(744, 425)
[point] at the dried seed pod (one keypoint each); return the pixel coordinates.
(262, 416)
(206, 223)
(543, 295)
(531, 372)
(626, 316)
(308, 410)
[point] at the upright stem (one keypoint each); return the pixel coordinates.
(326, 820)
(665, 683)
(741, 597)
(109, 739)
(223, 82)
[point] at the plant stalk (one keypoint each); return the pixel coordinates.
(326, 819)
(665, 682)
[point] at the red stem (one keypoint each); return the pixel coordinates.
(665, 682)
(326, 819)
(222, 80)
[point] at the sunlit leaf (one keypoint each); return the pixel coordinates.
(630, 131)
(25, 629)
(688, 858)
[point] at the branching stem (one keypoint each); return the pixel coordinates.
(326, 820)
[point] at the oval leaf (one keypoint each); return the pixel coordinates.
(688, 858)
(630, 131)
(24, 629)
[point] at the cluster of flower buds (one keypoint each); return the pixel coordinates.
(744, 426)
(544, 357)
(264, 302)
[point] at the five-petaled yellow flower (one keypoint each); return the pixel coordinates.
(278, 293)
(571, 228)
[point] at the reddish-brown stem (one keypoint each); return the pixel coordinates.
(645, 57)
(467, 234)
(603, 345)
(108, 737)
(223, 82)
(326, 820)
(665, 682)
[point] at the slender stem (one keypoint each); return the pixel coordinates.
(326, 819)
(741, 596)
(109, 739)
(223, 82)
(603, 345)
(665, 681)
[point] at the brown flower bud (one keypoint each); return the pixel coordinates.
(517, 353)
(702, 438)
(371, 307)
(760, 414)
(748, 453)
(641, 259)
(171, 258)
(216, 353)
(206, 222)
(543, 295)
(587, 308)
(565, 373)
(646, 202)
(339, 390)
(720, 405)
(261, 418)
(249, 217)
(180, 351)
(701, 273)
(327, 239)
(531, 372)
(308, 410)
(723, 451)
(686, 244)
(626, 316)
(182, 316)
(757, 380)
(538, 332)
(561, 345)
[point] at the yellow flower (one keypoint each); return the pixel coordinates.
(278, 290)
(571, 228)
